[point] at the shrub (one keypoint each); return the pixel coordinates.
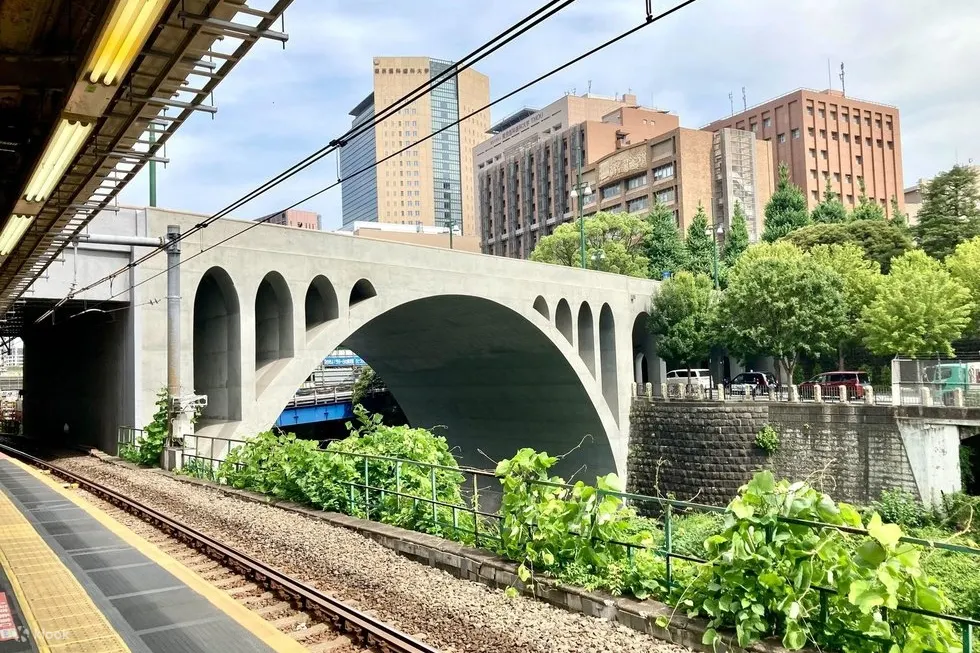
(148, 449)
(901, 507)
(768, 439)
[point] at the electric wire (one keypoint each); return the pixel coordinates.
(510, 34)
(650, 20)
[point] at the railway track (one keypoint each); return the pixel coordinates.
(316, 620)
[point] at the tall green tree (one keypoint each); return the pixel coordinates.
(700, 245)
(861, 277)
(920, 309)
(899, 218)
(950, 212)
(737, 239)
(830, 210)
(614, 242)
(881, 240)
(964, 265)
(867, 208)
(786, 210)
(664, 247)
(782, 303)
(682, 318)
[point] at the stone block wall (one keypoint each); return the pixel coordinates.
(705, 450)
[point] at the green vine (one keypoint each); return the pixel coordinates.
(768, 439)
(147, 449)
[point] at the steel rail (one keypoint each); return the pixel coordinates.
(366, 630)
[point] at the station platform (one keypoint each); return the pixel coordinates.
(74, 580)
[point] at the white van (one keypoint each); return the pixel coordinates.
(698, 377)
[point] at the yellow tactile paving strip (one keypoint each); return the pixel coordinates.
(58, 610)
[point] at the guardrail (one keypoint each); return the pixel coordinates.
(905, 394)
(368, 495)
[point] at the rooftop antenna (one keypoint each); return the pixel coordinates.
(830, 83)
(590, 86)
(745, 104)
(731, 101)
(842, 78)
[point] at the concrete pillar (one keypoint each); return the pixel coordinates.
(664, 393)
(842, 391)
(869, 395)
(698, 392)
(958, 398)
(896, 383)
(772, 394)
(649, 390)
(818, 394)
(633, 390)
(794, 394)
(925, 395)
(720, 389)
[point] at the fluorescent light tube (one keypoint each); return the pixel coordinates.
(130, 23)
(13, 231)
(61, 150)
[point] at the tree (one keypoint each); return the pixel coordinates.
(782, 303)
(786, 210)
(663, 247)
(862, 279)
(682, 318)
(737, 240)
(881, 240)
(867, 209)
(700, 245)
(920, 309)
(964, 265)
(830, 210)
(950, 212)
(614, 242)
(899, 219)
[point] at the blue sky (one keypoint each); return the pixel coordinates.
(280, 105)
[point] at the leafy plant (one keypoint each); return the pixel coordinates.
(198, 468)
(147, 449)
(901, 507)
(767, 439)
(765, 575)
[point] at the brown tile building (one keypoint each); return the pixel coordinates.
(432, 183)
(294, 218)
(825, 135)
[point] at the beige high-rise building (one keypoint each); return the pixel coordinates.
(825, 135)
(431, 183)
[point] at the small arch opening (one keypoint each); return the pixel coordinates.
(586, 336)
(217, 346)
(321, 302)
(273, 320)
(361, 291)
(607, 359)
(563, 319)
(541, 306)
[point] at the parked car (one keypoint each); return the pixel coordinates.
(698, 377)
(753, 383)
(831, 382)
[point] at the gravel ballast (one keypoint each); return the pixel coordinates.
(451, 614)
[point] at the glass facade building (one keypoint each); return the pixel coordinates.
(359, 195)
(446, 165)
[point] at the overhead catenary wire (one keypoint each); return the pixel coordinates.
(510, 34)
(650, 20)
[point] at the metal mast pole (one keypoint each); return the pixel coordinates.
(581, 216)
(173, 323)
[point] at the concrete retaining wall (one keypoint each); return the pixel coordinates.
(707, 450)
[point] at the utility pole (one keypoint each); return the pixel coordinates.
(153, 168)
(745, 104)
(173, 332)
(451, 223)
(842, 78)
(731, 101)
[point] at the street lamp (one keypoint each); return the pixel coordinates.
(710, 230)
(580, 192)
(596, 258)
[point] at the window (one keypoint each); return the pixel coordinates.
(859, 160)
(823, 133)
(782, 138)
(844, 116)
(833, 115)
(878, 142)
(878, 123)
(867, 141)
(813, 174)
(814, 195)
(823, 154)
(611, 191)
(891, 145)
(822, 113)
(754, 126)
(837, 177)
(665, 196)
(847, 138)
(636, 182)
(638, 204)
(809, 131)
(834, 135)
(826, 175)
(857, 119)
(813, 153)
(867, 120)
(850, 199)
(767, 122)
(796, 134)
(848, 178)
(809, 111)
(665, 171)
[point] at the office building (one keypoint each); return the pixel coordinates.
(294, 218)
(825, 135)
(431, 182)
(415, 235)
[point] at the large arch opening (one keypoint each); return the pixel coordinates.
(273, 320)
(586, 336)
(321, 302)
(490, 376)
(563, 319)
(607, 359)
(218, 347)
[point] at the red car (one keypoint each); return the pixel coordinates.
(830, 382)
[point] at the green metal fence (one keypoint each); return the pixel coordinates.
(369, 495)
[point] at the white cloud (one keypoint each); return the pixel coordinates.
(280, 105)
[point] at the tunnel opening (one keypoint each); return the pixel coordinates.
(362, 291)
(217, 347)
(487, 374)
(78, 372)
(563, 319)
(586, 337)
(273, 320)
(321, 302)
(607, 359)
